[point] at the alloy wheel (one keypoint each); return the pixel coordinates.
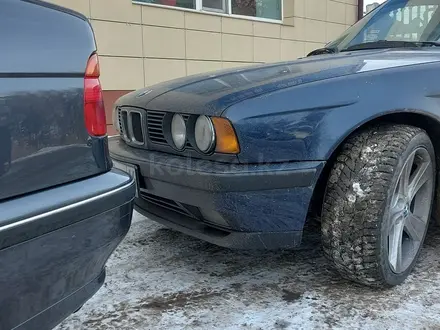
(410, 210)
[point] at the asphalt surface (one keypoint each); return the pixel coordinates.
(161, 279)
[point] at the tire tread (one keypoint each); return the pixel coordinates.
(351, 220)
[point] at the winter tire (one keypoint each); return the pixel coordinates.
(377, 204)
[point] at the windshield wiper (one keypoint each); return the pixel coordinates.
(391, 44)
(321, 51)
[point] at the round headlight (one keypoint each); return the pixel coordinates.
(204, 134)
(178, 131)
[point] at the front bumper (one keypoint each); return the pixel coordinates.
(258, 206)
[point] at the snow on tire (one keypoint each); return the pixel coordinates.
(377, 204)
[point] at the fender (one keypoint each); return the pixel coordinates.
(309, 122)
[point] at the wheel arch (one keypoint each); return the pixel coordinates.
(423, 120)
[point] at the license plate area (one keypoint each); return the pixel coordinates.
(130, 170)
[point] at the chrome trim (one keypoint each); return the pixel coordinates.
(65, 208)
(214, 136)
(130, 126)
(144, 134)
(129, 136)
(123, 129)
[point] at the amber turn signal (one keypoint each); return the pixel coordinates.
(226, 140)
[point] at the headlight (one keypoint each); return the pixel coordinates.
(178, 131)
(204, 134)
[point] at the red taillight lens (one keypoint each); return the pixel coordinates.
(92, 69)
(94, 111)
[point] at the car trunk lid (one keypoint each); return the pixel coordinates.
(43, 135)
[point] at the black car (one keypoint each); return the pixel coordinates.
(63, 208)
(243, 158)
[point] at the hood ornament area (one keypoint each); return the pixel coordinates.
(145, 92)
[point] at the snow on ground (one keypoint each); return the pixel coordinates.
(161, 279)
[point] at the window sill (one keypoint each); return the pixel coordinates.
(249, 18)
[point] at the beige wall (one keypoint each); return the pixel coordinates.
(140, 45)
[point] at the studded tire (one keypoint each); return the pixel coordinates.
(357, 202)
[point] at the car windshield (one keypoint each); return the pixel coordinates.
(394, 23)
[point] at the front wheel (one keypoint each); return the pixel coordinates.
(378, 203)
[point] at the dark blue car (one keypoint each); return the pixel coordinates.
(63, 209)
(349, 135)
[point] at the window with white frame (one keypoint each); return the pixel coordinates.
(266, 9)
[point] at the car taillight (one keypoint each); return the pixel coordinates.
(94, 111)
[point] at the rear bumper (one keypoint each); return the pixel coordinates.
(54, 245)
(232, 205)
(50, 317)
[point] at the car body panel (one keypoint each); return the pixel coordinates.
(50, 318)
(42, 132)
(57, 241)
(283, 115)
(252, 203)
(61, 40)
(63, 209)
(287, 118)
(273, 128)
(27, 217)
(213, 93)
(295, 117)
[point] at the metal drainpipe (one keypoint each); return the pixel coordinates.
(360, 9)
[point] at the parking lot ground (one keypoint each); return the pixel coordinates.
(161, 279)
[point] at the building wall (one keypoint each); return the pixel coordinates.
(140, 45)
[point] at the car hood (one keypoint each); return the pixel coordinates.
(214, 92)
